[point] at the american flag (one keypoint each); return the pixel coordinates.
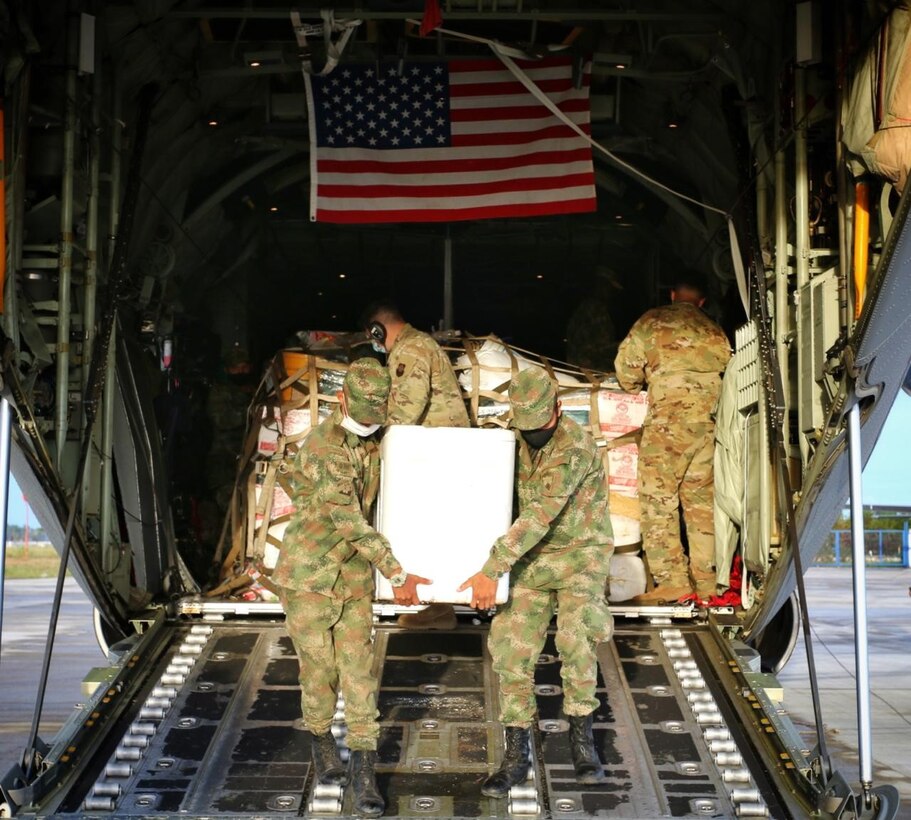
(447, 141)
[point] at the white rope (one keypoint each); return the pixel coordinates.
(523, 78)
(505, 54)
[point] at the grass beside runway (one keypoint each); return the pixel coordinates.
(35, 561)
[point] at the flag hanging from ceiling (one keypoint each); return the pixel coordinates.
(446, 141)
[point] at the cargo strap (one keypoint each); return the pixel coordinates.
(471, 346)
(475, 382)
(229, 585)
(624, 505)
(308, 389)
(594, 410)
(233, 523)
(262, 509)
(632, 437)
(628, 549)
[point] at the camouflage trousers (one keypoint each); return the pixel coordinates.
(517, 637)
(333, 642)
(675, 471)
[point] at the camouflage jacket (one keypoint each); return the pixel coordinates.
(563, 526)
(591, 339)
(424, 386)
(329, 545)
(680, 353)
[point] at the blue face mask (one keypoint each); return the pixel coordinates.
(377, 347)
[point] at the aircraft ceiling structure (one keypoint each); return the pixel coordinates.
(677, 90)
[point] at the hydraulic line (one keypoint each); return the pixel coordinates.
(93, 391)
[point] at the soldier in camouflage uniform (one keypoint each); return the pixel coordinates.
(326, 580)
(558, 554)
(425, 391)
(591, 336)
(680, 353)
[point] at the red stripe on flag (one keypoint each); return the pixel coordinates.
(514, 112)
(444, 166)
(447, 191)
(518, 137)
(573, 206)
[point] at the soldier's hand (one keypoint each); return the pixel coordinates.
(483, 590)
(407, 593)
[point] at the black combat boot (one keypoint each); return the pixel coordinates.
(582, 745)
(327, 765)
(514, 768)
(367, 799)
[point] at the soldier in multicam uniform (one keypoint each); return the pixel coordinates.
(326, 580)
(680, 353)
(425, 391)
(558, 552)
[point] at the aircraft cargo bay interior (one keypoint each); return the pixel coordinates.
(223, 223)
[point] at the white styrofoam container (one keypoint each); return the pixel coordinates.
(445, 496)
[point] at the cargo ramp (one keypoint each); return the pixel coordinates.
(200, 719)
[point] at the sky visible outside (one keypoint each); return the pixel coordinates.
(886, 480)
(887, 476)
(16, 510)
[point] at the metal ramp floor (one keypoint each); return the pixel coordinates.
(215, 735)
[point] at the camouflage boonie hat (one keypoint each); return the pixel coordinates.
(366, 389)
(532, 395)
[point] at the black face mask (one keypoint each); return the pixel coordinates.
(538, 438)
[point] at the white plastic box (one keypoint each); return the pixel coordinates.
(446, 494)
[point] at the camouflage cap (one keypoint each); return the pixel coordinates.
(366, 389)
(532, 396)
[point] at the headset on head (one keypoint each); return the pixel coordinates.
(377, 332)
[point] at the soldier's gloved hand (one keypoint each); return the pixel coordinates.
(407, 593)
(483, 590)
